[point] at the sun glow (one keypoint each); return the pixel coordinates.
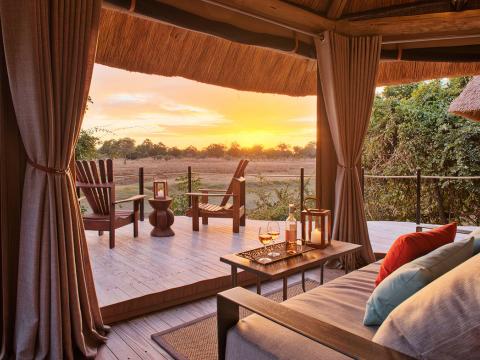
(181, 112)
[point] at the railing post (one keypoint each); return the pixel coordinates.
(141, 191)
(362, 181)
(419, 189)
(189, 176)
(302, 187)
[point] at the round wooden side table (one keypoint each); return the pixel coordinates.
(161, 217)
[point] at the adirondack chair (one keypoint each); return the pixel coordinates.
(98, 186)
(200, 207)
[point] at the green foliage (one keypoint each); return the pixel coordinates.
(273, 204)
(180, 200)
(411, 128)
(86, 148)
(125, 148)
(118, 148)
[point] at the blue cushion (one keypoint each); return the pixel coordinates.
(411, 277)
(476, 240)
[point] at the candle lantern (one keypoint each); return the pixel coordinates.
(316, 226)
(160, 189)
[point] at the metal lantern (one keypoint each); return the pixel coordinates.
(316, 226)
(160, 189)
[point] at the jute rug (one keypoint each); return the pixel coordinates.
(197, 340)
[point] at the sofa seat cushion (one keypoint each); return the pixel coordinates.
(340, 302)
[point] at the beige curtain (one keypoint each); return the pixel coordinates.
(12, 170)
(326, 158)
(347, 69)
(49, 49)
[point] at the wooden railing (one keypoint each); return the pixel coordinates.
(418, 177)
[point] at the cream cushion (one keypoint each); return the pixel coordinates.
(442, 320)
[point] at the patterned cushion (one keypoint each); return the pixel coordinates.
(411, 277)
(442, 320)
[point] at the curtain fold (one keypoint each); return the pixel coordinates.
(12, 168)
(347, 68)
(49, 48)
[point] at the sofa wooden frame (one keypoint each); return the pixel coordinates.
(340, 340)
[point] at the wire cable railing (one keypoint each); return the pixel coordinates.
(418, 177)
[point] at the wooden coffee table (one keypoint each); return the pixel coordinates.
(284, 268)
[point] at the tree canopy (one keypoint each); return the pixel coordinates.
(411, 128)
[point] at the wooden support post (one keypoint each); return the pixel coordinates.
(189, 176)
(419, 190)
(302, 187)
(141, 191)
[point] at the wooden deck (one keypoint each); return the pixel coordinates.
(136, 269)
(148, 274)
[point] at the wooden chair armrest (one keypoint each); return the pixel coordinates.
(203, 194)
(213, 190)
(94, 186)
(340, 340)
(132, 198)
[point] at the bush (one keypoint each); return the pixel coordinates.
(180, 200)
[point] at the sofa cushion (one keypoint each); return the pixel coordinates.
(413, 276)
(340, 302)
(408, 247)
(476, 242)
(442, 320)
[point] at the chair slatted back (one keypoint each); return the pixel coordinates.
(239, 172)
(89, 172)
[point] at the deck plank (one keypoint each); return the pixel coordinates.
(182, 266)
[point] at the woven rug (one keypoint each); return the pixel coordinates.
(197, 340)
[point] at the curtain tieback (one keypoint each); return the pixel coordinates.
(46, 168)
(347, 167)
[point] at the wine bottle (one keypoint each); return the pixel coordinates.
(291, 230)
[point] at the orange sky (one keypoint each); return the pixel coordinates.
(181, 112)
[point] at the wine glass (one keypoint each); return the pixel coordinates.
(264, 239)
(273, 229)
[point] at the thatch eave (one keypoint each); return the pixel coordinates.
(467, 104)
(138, 44)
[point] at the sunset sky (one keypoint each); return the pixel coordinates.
(181, 112)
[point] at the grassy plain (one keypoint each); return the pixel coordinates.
(213, 173)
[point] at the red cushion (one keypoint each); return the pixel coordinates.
(408, 247)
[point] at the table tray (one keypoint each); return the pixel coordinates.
(257, 253)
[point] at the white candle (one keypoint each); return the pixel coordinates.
(160, 194)
(316, 236)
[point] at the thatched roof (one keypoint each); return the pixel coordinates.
(467, 104)
(140, 44)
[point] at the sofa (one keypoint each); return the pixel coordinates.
(327, 322)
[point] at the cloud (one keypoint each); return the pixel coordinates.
(303, 120)
(128, 98)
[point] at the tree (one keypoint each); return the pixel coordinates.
(86, 148)
(411, 128)
(215, 150)
(234, 150)
(122, 148)
(190, 151)
(145, 149)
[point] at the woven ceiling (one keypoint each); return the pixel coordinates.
(141, 45)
